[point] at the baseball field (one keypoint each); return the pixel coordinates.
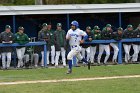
(100, 79)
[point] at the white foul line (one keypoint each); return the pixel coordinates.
(67, 80)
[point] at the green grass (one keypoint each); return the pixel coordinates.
(130, 85)
(59, 73)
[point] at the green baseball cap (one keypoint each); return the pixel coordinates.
(44, 24)
(96, 28)
(108, 25)
(20, 28)
(59, 24)
(129, 26)
(120, 28)
(7, 26)
(88, 27)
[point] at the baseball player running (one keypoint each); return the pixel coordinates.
(74, 35)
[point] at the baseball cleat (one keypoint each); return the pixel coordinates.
(69, 71)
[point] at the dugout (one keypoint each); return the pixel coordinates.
(31, 17)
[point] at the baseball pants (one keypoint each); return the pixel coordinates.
(48, 54)
(127, 50)
(20, 55)
(101, 50)
(75, 51)
(63, 53)
(84, 51)
(35, 58)
(116, 50)
(92, 53)
(6, 59)
(136, 51)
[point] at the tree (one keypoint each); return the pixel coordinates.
(32, 2)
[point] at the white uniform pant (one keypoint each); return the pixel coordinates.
(101, 50)
(20, 55)
(6, 59)
(63, 52)
(35, 58)
(75, 51)
(84, 51)
(48, 54)
(127, 50)
(116, 50)
(92, 53)
(136, 51)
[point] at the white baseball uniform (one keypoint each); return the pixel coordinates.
(127, 51)
(75, 36)
(84, 51)
(116, 50)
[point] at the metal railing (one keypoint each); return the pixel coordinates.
(94, 41)
(119, 45)
(39, 43)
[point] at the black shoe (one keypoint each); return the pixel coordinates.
(105, 64)
(52, 64)
(88, 65)
(69, 71)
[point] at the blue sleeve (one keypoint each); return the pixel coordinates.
(85, 37)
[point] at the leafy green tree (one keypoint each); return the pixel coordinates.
(32, 2)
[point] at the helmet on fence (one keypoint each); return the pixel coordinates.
(75, 23)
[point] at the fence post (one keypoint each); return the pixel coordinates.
(14, 31)
(68, 22)
(120, 52)
(120, 19)
(45, 55)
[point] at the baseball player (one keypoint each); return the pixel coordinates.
(6, 37)
(136, 45)
(116, 36)
(60, 44)
(106, 34)
(96, 36)
(74, 35)
(44, 35)
(21, 38)
(49, 29)
(86, 47)
(128, 33)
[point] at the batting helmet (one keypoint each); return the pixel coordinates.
(75, 23)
